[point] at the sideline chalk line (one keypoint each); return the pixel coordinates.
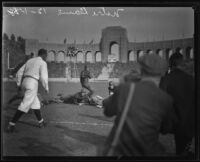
(70, 122)
(79, 123)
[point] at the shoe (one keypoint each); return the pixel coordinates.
(10, 128)
(42, 124)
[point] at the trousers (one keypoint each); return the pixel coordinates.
(30, 100)
(87, 86)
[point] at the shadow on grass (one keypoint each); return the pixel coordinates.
(34, 147)
(83, 136)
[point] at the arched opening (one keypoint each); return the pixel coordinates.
(88, 56)
(80, 57)
(160, 53)
(61, 56)
(189, 53)
(114, 50)
(149, 52)
(192, 54)
(179, 50)
(132, 56)
(98, 56)
(140, 53)
(169, 52)
(51, 56)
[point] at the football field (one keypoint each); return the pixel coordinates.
(71, 130)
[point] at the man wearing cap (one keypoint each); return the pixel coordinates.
(149, 112)
(180, 86)
(35, 69)
(133, 76)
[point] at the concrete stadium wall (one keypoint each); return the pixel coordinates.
(110, 35)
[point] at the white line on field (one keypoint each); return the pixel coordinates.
(71, 122)
(78, 123)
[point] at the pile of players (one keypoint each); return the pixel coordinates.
(79, 98)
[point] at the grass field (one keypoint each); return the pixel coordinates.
(71, 130)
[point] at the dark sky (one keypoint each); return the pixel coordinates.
(142, 23)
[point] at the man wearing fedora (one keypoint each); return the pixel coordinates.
(150, 112)
(180, 86)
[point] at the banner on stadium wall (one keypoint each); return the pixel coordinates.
(112, 58)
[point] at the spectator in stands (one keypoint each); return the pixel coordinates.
(149, 113)
(180, 86)
(84, 79)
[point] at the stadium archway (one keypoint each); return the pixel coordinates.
(140, 53)
(168, 53)
(88, 56)
(132, 56)
(149, 52)
(179, 50)
(98, 56)
(60, 56)
(51, 56)
(189, 53)
(114, 50)
(80, 57)
(192, 54)
(160, 53)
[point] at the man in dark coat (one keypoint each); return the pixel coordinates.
(150, 112)
(84, 79)
(180, 86)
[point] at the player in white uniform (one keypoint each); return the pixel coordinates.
(35, 69)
